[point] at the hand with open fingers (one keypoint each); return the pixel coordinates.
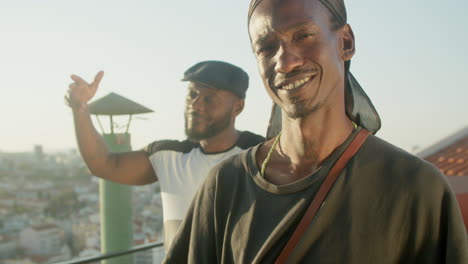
(80, 92)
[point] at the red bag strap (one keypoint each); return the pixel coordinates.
(321, 195)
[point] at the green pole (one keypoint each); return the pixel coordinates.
(116, 208)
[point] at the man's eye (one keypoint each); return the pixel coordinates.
(265, 50)
(303, 36)
(192, 94)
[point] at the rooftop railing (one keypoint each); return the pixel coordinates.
(113, 254)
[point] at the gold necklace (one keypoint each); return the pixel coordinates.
(270, 152)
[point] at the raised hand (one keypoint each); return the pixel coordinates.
(80, 92)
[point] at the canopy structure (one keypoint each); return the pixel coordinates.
(113, 105)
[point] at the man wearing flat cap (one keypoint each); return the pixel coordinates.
(323, 188)
(216, 93)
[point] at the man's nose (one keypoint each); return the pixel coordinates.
(287, 59)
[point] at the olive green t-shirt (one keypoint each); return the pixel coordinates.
(387, 206)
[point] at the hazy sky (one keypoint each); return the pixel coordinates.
(411, 60)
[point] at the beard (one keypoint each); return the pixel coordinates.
(210, 130)
(301, 110)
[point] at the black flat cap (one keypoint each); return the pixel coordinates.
(220, 75)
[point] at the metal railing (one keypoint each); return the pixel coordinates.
(113, 254)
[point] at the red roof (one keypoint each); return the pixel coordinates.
(453, 159)
(463, 202)
(450, 155)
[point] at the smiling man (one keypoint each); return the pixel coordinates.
(216, 93)
(370, 202)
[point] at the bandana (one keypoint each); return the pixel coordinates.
(336, 7)
(359, 107)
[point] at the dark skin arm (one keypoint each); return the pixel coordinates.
(132, 168)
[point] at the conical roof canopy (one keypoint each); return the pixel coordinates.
(114, 104)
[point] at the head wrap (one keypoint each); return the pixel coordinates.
(359, 107)
(336, 7)
(338, 10)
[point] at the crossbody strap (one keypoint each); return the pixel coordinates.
(321, 195)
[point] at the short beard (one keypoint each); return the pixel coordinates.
(302, 111)
(211, 131)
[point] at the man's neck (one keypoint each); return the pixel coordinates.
(221, 142)
(310, 140)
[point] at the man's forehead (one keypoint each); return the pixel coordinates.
(335, 7)
(201, 87)
(283, 16)
(208, 90)
(263, 7)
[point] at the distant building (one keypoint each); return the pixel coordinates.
(86, 232)
(89, 252)
(142, 257)
(39, 152)
(7, 248)
(44, 240)
(450, 155)
(14, 223)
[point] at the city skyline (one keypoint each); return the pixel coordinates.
(409, 60)
(50, 209)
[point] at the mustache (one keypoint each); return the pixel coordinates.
(195, 114)
(192, 112)
(278, 78)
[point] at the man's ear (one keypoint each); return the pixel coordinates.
(238, 107)
(348, 43)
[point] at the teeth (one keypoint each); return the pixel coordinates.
(295, 84)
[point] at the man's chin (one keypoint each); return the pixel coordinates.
(301, 111)
(195, 136)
